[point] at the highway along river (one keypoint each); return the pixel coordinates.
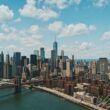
(34, 100)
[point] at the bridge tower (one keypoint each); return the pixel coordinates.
(18, 81)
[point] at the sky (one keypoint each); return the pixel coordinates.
(81, 27)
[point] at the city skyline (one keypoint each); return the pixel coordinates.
(79, 26)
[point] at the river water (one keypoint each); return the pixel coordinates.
(34, 100)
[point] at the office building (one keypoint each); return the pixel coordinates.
(55, 48)
(33, 59)
(42, 54)
(69, 72)
(52, 60)
(16, 62)
(1, 65)
(102, 65)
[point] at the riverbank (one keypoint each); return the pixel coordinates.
(69, 98)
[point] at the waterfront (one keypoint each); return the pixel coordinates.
(34, 100)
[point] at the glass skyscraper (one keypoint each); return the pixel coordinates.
(42, 54)
(55, 48)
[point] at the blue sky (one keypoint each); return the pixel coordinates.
(80, 26)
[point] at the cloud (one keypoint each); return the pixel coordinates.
(84, 46)
(79, 49)
(17, 20)
(56, 26)
(25, 40)
(61, 4)
(64, 30)
(5, 13)
(106, 36)
(27, 37)
(14, 48)
(30, 10)
(78, 46)
(100, 3)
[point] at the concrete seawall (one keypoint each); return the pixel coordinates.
(69, 98)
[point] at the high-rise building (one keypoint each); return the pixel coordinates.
(55, 48)
(102, 65)
(42, 54)
(94, 67)
(7, 68)
(33, 59)
(69, 72)
(26, 62)
(22, 60)
(17, 58)
(62, 54)
(52, 60)
(1, 65)
(36, 52)
(16, 62)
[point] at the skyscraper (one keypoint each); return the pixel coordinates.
(16, 62)
(52, 60)
(22, 60)
(36, 52)
(69, 72)
(33, 59)
(102, 65)
(17, 58)
(7, 68)
(1, 65)
(42, 54)
(55, 48)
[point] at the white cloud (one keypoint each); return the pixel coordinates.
(26, 37)
(34, 29)
(75, 30)
(61, 4)
(6, 29)
(17, 20)
(78, 46)
(106, 35)
(56, 26)
(85, 46)
(5, 13)
(30, 10)
(14, 48)
(64, 30)
(100, 3)
(79, 49)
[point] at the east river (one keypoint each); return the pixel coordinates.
(34, 100)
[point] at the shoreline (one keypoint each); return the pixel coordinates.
(69, 98)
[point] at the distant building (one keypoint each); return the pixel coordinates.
(7, 68)
(55, 48)
(102, 65)
(17, 58)
(69, 72)
(36, 52)
(1, 65)
(22, 60)
(78, 68)
(93, 67)
(42, 54)
(16, 63)
(53, 60)
(33, 59)
(62, 53)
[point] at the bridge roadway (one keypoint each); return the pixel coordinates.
(12, 85)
